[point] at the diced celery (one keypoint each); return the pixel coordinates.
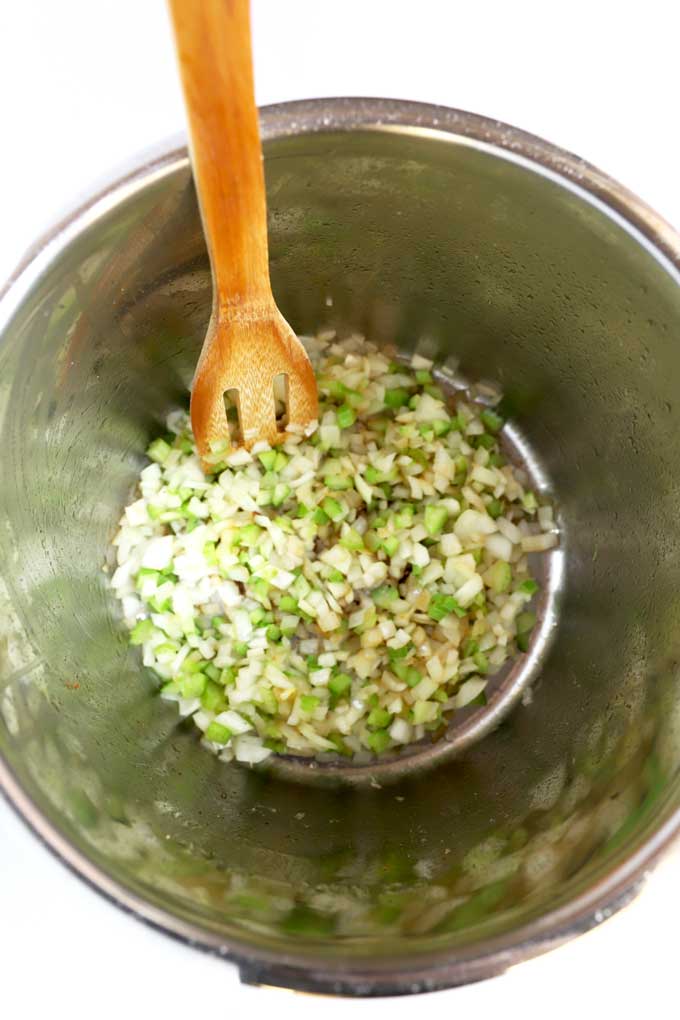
(249, 535)
(193, 685)
(423, 376)
(339, 684)
(141, 632)
(385, 595)
(494, 508)
(441, 605)
(491, 420)
(287, 604)
(396, 397)
(240, 649)
(378, 718)
(335, 577)
(158, 451)
(333, 509)
(372, 475)
(499, 576)
(309, 702)
(435, 519)
(320, 516)
(352, 540)
(390, 545)
(378, 741)
(528, 587)
(345, 416)
(218, 733)
(481, 662)
(212, 698)
(403, 518)
(280, 494)
(469, 648)
(395, 654)
(228, 676)
(273, 633)
(337, 482)
(267, 459)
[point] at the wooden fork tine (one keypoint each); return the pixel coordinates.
(257, 414)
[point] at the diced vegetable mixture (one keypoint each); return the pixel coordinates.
(347, 591)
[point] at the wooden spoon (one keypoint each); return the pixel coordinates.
(249, 343)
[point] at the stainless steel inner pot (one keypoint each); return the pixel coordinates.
(527, 265)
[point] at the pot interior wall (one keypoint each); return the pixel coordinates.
(522, 280)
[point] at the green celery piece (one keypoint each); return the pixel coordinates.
(352, 540)
(212, 672)
(470, 648)
(287, 604)
(434, 391)
(141, 632)
(529, 501)
(302, 510)
(345, 416)
(309, 702)
(158, 451)
(378, 741)
(481, 662)
(525, 624)
(333, 509)
(442, 426)
(385, 595)
(267, 701)
(423, 376)
(273, 633)
(403, 518)
(280, 494)
(435, 519)
(228, 676)
(407, 674)
(335, 577)
(240, 649)
(340, 745)
(216, 622)
(396, 397)
(193, 685)
(372, 475)
(499, 576)
(390, 545)
(337, 483)
(280, 461)
(491, 420)
(267, 458)
(529, 587)
(441, 605)
(249, 535)
(486, 441)
(257, 616)
(494, 508)
(320, 516)
(218, 733)
(193, 663)
(340, 684)
(212, 698)
(395, 654)
(379, 718)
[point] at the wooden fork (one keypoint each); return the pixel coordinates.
(248, 343)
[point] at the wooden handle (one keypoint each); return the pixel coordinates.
(214, 49)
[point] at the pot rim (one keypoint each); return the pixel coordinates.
(303, 968)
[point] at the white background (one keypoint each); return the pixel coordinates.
(86, 83)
